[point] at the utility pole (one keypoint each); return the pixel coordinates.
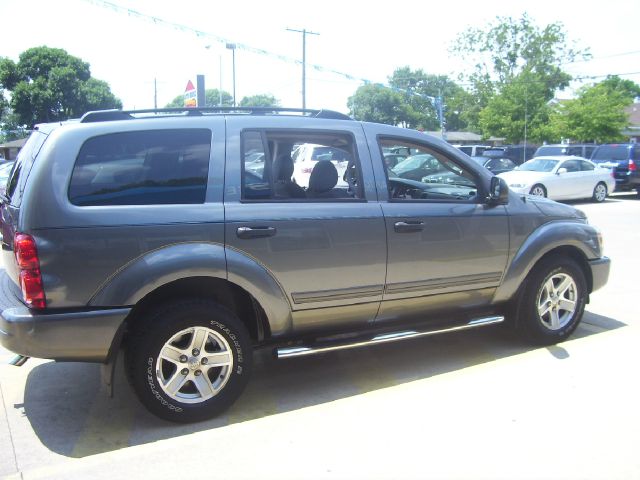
(232, 47)
(304, 33)
(155, 93)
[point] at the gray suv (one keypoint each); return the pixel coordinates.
(182, 238)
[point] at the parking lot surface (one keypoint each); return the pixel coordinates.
(468, 405)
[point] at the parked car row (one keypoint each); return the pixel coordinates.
(620, 161)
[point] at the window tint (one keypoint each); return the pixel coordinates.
(24, 161)
(575, 151)
(142, 168)
(571, 165)
(428, 175)
(500, 164)
(299, 166)
(586, 166)
(611, 152)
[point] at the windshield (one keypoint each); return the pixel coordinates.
(611, 152)
(538, 165)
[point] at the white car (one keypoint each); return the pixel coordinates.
(561, 178)
(306, 155)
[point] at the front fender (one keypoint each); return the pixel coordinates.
(547, 237)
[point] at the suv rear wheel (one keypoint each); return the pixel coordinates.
(552, 302)
(189, 361)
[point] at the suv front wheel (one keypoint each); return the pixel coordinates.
(552, 302)
(188, 361)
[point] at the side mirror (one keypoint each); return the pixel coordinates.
(498, 191)
(561, 171)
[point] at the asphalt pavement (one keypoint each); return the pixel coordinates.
(467, 405)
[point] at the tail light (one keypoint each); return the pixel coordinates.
(29, 266)
(632, 166)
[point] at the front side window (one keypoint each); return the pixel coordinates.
(586, 166)
(299, 166)
(571, 165)
(142, 168)
(428, 175)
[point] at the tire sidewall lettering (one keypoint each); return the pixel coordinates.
(154, 391)
(234, 341)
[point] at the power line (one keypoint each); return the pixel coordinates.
(591, 59)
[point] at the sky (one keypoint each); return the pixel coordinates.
(360, 40)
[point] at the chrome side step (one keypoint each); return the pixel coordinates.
(300, 350)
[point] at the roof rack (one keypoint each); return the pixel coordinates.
(112, 115)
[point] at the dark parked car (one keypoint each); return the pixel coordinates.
(584, 150)
(518, 154)
(624, 160)
(155, 233)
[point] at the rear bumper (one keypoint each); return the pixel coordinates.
(71, 336)
(599, 272)
(627, 181)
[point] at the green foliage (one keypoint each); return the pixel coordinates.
(627, 88)
(523, 100)
(417, 86)
(596, 115)
(376, 103)
(211, 98)
(517, 71)
(48, 84)
(410, 101)
(261, 100)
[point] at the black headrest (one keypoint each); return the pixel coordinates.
(324, 177)
(283, 167)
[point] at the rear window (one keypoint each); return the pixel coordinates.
(24, 161)
(546, 151)
(611, 152)
(142, 168)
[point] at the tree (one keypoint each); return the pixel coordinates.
(376, 103)
(597, 114)
(48, 84)
(261, 100)
(420, 90)
(628, 88)
(515, 51)
(211, 99)
(519, 112)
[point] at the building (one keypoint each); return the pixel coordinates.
(9, 150)
(633, 130)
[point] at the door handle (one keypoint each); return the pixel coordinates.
(409, 226)
(255, 232)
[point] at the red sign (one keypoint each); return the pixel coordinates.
(190, 95)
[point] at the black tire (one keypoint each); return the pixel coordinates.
(549, 328)
(174, 329)
(600, 195)
(538, 190)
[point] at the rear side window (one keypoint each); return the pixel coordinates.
(142, 168)
(300, 166)
(20, 171)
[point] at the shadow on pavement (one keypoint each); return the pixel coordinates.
(72, 415)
